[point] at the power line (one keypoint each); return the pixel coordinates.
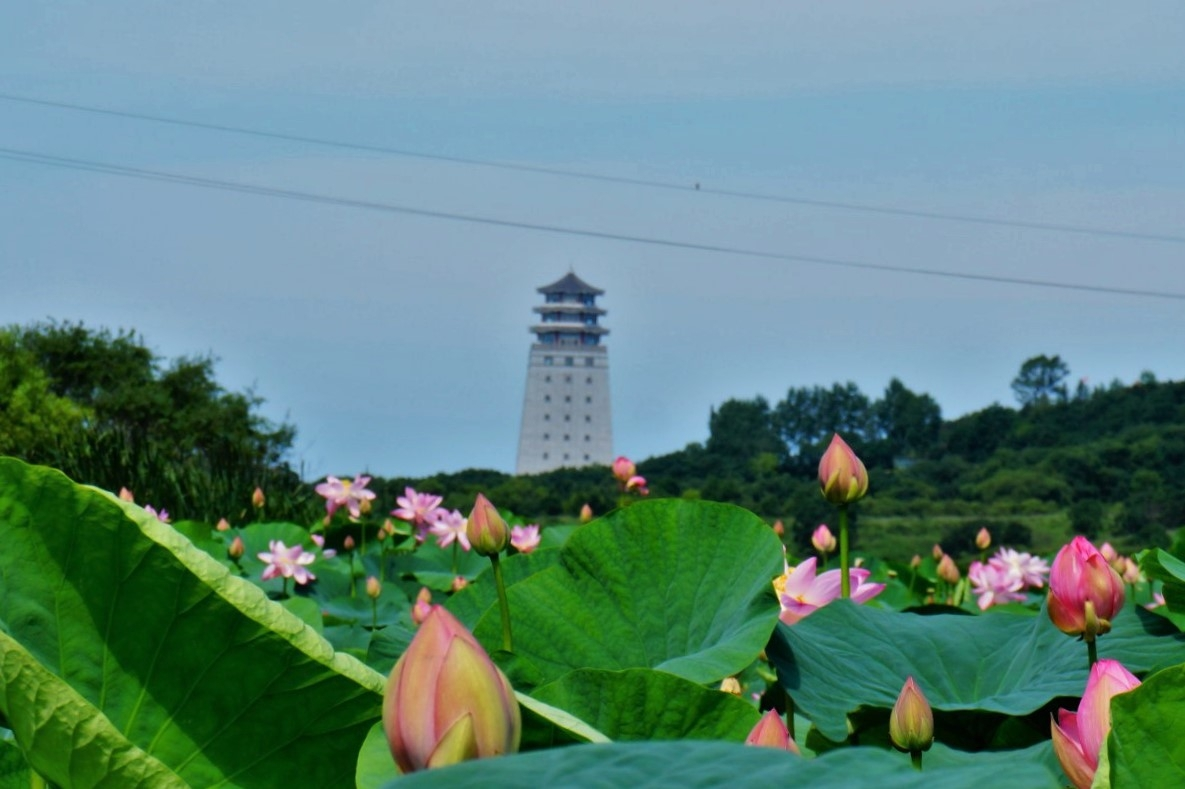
(33, 157)
(614, 179)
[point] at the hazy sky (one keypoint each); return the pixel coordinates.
(398, 344)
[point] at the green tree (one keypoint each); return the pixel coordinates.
(1041, 380)
(908, 423)
(743, 429)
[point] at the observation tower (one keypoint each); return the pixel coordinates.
(566, 418)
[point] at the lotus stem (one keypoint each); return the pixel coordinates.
(503, 604)
(916, 758)
(1092, 652)
(845, 580)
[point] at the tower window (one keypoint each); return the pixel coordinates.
(547, 379)
(567, 379)
(548, 360)
(567, 417)
(547, 417)
(569, 361)
(566, 437)
(547, 398)
(587, 418)
(565, 456)
(588, 399)
(567, 398)
(588, 380)
(586, 457)
(587, 438)
(545, 456)
(589, 362)
(546, 436)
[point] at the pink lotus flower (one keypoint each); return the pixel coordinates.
(450, 526)
(352, 495)
(418, 509)
(1085, 592)
(446, 701)
(1156, 602)
(623, 469)
(1078, 736)
(1031, 570)
(636, 484)
(823, 539)
(286, 562)
(319, 541)
(525, 538)
(771, 732)
(842, 476)
(994, 585)
(162, 516)
(801, 592)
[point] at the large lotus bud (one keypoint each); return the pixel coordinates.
(488, 533)
(911, 725)
(771, 732)
(1085, 592)
(446, 701)
(823, 539)
(624, 468)
(842, 477)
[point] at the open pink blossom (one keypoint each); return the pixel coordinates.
(351, 494)
(637, 484)
(418, 509)
(1079, 736)
(525, 538)
(319, 541)
(1030, 570)
(450, 526)
(801, 591)
(994, 585)
(162, 516)
(286, 562)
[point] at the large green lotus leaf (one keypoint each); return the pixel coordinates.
(644, 704)
(481, 595)
(1147, 742)
(681, 586)
(187, 662)
(694, 764)
(844, 657)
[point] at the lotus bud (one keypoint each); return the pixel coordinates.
(779, 528)
(586, 513)
(365, 506)
(637, 484)
(1109, 553)
(1079, 736)
(374, 587)
(1085, 592)
(459, 583)
(382, 535)
(258, 499)
(422, 606)
(222, 525)
(623, 469)
(348, 543)
(937, 552)
(842, 476)
(983, 539)
(915, 562)
(488, 533)
(823, 539)
(911, 725)
(948, 570)
(236, 548)
(731, 685)
(126, 495)
(771, 732)
(446, 701)
(389, 527)
(1131, 571)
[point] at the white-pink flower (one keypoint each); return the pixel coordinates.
(801, 591)
(286, 562)
(1030, 570)
(346, 493)
(525, 538)
(162, 516)
(995, 584)
(319, 541)
(450, 526)
(419, 509)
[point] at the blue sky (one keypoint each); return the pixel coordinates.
(398, 344)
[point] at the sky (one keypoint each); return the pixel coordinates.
(397, 343)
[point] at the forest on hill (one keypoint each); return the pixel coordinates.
(1104, 461)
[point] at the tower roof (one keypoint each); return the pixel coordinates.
(570, 283)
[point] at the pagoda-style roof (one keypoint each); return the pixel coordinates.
(570, 283)
(561, 306)
(577, 328)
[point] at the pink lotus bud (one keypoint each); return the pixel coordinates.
(983, 539)
(374, 587)
(459, 583)
(1131, 571)
(388, 527)
(823, 539)
(126, 495)
(937, 552)
(236, 548)
(915, 562)
(624, 468)
(488, 533)
(222, 525)
(1109, 553)
(1085, 592)
(586, 513)
(1079, 736)
(348, 543)
(842, 477)
(637, 485)
(422, 607)
(731, 685)
(446, 701)
(382, 535)
(771, 732)
(779, 528)
(911, 725)
(948, 570)
(258, 499)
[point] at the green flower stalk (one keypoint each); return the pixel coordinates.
(842, 480)
(489, 535)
